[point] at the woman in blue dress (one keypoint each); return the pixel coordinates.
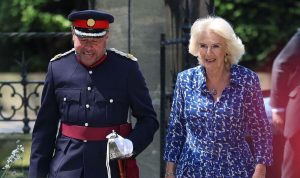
(216, 106)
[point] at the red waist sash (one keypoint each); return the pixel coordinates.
(93, 133)
(99, 134)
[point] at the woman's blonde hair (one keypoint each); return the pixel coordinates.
(235, 47)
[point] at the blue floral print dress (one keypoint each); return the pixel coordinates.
(207, 138)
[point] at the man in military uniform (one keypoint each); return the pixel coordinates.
(87, 94)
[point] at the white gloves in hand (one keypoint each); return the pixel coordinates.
(118, 147)
(124, 145)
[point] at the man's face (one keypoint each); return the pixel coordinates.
(89, 50)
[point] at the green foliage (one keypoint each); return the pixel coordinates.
(33, 16)
(263, 26)
(28, 15)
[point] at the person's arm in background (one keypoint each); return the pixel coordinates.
(278, 118)
(282, 82)
(280, 75)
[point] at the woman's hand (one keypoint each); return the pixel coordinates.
(170, 170)
(260, 171)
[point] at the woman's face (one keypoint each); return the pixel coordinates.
(89, 50)
(212, 50)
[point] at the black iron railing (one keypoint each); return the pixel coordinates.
(17, 99)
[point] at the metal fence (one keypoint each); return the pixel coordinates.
(16, 99)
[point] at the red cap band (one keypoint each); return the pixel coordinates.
(91, 23)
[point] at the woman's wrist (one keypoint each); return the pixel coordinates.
(170, 174)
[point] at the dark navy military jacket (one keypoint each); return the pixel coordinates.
(96, 97)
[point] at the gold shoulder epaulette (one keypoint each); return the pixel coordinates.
(127, 55)
(59, 56)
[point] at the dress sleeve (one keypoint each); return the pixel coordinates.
(258, 124)
(176, 132)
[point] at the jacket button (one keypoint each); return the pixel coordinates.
(89, 88)
(111, 100)
(90, 72)
(86, 124)
(65, 99)
(87, 106)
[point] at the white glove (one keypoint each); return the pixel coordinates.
(117, 148)
(124, 145)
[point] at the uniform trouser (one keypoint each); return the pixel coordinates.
(291, 157)
(82, 174)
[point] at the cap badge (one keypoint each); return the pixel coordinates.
(90, 22)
